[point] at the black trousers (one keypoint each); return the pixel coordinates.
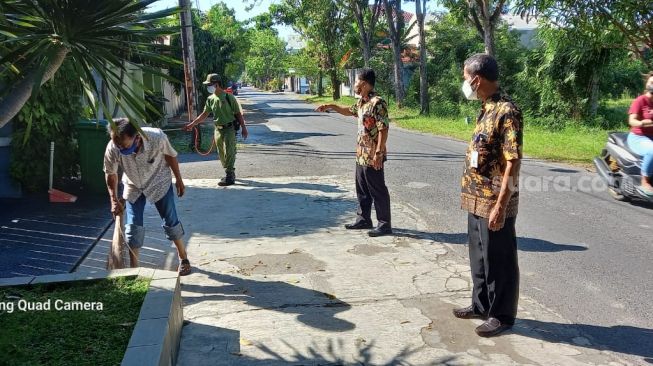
(495, 271)
(371, 188)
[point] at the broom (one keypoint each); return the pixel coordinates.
(116, 258)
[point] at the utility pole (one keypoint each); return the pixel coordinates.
(188, 52)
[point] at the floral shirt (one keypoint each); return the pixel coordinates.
(372, 115)
(497, 139)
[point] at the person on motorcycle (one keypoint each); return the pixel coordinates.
(640, 138)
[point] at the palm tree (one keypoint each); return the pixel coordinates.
(103, 38)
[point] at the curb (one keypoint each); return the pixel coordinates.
(156, 335)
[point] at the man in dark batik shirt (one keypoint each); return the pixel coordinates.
(373, 124)
(490, 195)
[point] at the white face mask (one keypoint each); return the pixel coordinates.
(469, 92)
(210, 89)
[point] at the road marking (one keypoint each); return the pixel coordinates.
(413, 207)
(417, 185)
(274, 128)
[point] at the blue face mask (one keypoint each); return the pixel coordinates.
(130, 150)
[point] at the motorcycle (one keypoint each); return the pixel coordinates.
(620, 168)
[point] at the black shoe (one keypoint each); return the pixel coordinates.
(359, 225)
(467, 313)
(492, 327)
(379, 232)
(228, 180)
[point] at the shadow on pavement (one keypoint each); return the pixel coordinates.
(281, 137)
(225, 349)
(620, 338)
(303, 186)
(523, 244)
(315, 309)
(263, 209)
(350, 155)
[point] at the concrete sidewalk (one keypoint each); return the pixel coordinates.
(278, 281)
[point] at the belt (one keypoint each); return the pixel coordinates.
(228, 125)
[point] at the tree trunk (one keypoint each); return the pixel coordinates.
(489, 37)
(366, 34)
(398, 74)
(16, 99)
(423, 83)
(335, 83)
(320, 92)
(594, 93)
(395, 37)
(362, 33)
(367, 54)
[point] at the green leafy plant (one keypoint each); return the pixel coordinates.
(50, 116)
(102, 38)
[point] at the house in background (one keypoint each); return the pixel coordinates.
(409, 57)
(167, 101)
(527, 29)
(292, 82)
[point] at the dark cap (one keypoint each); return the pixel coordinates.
(212, 79)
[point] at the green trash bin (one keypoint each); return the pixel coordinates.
(92, 139)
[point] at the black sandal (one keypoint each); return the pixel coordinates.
(184, 267)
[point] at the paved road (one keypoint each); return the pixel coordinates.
(582, 254)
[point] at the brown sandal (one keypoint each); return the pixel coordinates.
(184, 267)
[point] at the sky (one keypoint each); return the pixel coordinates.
(262, 6)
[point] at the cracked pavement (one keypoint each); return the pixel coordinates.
(297, 289)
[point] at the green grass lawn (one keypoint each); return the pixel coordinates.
(570, 145)
(183, 141)
(71, 337)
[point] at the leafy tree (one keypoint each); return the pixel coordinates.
(263, 21)
(266, 60)
(305, 63)
(632, 20)
(485, 15)
(323, 22)
(97, 36)
(420, 12)
(212, 53)
(366, 20)
(55, 109)
(396, 26)
(221, 22)
(563, 75)
(449, 43)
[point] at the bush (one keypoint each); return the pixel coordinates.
(51, 117)
(551, 83)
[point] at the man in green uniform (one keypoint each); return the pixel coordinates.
(227, 116)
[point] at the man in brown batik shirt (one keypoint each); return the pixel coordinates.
(490, 195)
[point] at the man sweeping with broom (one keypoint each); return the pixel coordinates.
(146, 159)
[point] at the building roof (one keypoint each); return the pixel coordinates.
(295, 42)
(406, 14)
(516, 22)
